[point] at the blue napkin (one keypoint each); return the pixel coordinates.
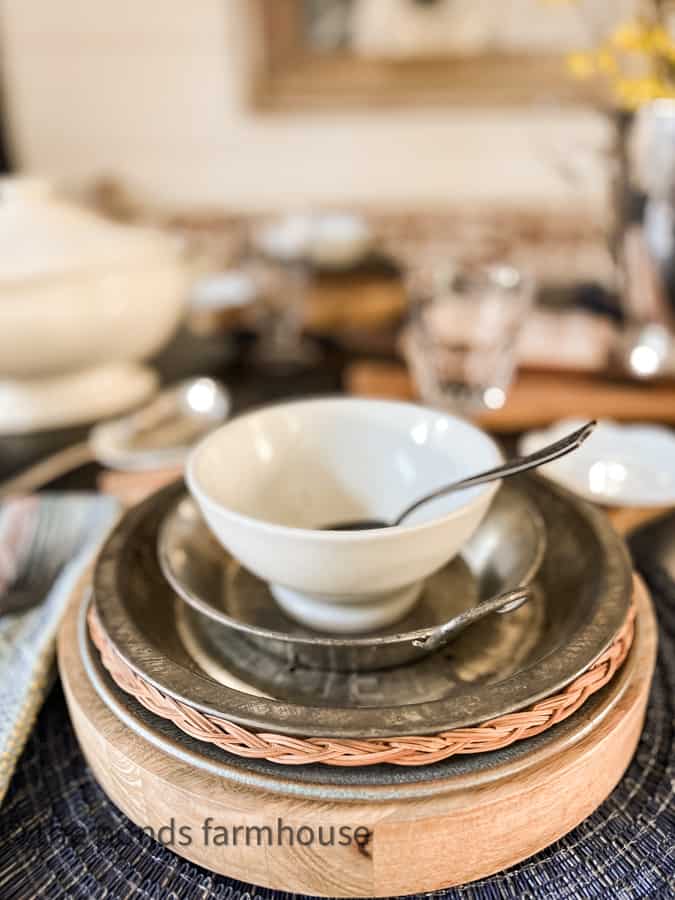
(46, 543)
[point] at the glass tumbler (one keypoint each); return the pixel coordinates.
(279, 260)
(461, 342)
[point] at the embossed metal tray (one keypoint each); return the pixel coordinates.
(503, 554)
(584, 587)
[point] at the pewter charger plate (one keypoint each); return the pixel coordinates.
(583, 595)
(328, 782)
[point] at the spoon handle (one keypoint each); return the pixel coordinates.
(512, 467)
(47, 470)
(502, 603)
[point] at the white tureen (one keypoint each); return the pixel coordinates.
(82, 302)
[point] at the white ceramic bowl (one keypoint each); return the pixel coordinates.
(333, 240)
(78, 291)
(70, 324)
(269, 481)
(340, 240)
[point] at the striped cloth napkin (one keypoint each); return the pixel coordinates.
(46, 542)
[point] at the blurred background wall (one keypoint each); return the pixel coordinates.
(157, 92)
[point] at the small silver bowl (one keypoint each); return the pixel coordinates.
(492, 574)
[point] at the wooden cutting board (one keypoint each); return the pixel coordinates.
(535, 399)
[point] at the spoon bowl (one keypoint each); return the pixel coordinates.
(159, 435)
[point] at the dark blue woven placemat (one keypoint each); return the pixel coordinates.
(61, 837)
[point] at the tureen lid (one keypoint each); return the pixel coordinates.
(41, 235)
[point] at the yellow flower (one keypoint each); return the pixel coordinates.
(605, 61)
(661, 43)
(581, 65)
(629, 37)
(636, 61)
(633, 92)
(637, 37)
(659, 39)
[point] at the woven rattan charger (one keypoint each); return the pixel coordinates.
(403, 751)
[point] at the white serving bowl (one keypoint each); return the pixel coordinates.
(340, 240)
(78, 291)
(268, 482)
(619, 465)
(70, 324)
(332, 240)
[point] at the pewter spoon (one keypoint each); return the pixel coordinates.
(158, 435)
(513, 467)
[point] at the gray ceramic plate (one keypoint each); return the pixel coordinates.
(584, 587)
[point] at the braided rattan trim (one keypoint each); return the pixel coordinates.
(401, 751)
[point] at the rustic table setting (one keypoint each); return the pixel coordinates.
(62, 836)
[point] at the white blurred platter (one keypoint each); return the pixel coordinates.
(619, 465)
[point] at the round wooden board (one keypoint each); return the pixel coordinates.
(464, 828)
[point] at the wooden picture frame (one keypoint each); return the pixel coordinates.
(290, 77)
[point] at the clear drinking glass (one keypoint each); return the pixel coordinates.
(279, 261)
(461, 342)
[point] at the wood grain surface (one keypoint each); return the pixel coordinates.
(467, 827)
(535, 399)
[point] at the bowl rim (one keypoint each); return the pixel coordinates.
(323, 535)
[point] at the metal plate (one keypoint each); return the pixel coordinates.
(339, 783)
(503, 554)
(584, 581)
(478, 655)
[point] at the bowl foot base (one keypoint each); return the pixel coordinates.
(347, 614)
